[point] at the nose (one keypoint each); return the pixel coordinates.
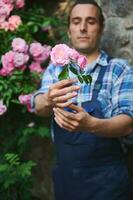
(83, 26)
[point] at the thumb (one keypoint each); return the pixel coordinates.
(75, 108)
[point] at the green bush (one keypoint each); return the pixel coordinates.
(17, 125)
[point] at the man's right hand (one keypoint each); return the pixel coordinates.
(60, 93)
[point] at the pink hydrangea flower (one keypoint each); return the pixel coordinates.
(3, 108)
(35, 67)
(19, 45)
(14, 22)
(82, 61)
(8, 61)
(25, 100)
(20, 59)
(60, 55)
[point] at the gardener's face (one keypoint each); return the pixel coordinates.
(84, 29)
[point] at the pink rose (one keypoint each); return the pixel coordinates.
(82, 61)
(5, 8)
(36, 49)
(60, 55)
(13, 22)
(74, 55)
(23, 67)
(19, 4)
(8, 1)
(5, 72)
(8, 61)
(25, 100)
(35, 67)
(4, 25)
(44, 55)
(3, 108)
(19, 45)
(2, 18)
(20, 59)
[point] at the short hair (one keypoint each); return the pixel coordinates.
(101, 16)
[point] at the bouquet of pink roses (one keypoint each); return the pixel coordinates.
(68, 58)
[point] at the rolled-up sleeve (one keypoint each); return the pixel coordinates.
(122, 91)
(49, 77)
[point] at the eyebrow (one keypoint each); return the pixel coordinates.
(87, 18)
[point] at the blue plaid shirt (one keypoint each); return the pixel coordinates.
(116, 93)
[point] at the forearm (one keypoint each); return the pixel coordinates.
(43, 107)
(118, 126)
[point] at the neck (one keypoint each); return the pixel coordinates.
(92, 56)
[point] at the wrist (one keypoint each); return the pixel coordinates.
(95, 124)
(48, 101)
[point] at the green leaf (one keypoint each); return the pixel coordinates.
(43, 131)
(12, 158)
(35, 29)
(73, 70)
(87, 79)
(80, 79)
(46, 23)
(25, 168)
(3, 168)
(64, 74)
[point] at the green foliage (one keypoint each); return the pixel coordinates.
(64, 74)
(17, 125)
(15, 177)
(80, 74)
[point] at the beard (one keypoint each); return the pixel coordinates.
(86, 49)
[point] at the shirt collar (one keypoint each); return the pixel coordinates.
(101, 60)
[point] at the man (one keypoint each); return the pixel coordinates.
(90, 160)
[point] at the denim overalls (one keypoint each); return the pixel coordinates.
(89, 167)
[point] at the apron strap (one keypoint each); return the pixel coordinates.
(98, 83)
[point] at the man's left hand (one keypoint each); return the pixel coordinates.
(78, 120)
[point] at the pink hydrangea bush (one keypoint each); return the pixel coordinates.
(22, 68)
(10, 22)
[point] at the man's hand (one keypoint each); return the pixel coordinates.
(60, 93)
(78, 120)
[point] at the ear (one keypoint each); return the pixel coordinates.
(68, 33)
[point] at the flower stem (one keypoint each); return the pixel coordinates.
(80, 97)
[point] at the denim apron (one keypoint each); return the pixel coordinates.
(89, 166)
